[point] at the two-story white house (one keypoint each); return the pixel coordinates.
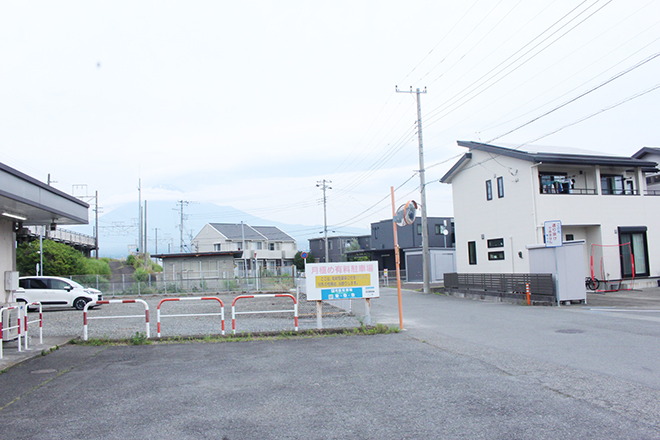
(502, 197)
(268, 246)
(652, 178)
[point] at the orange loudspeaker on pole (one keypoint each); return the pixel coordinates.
(396, 257)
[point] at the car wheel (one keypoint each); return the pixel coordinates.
(80, 303)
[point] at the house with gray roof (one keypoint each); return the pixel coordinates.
(266, 247)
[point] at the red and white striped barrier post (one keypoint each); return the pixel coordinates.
(203, 298)
(115, 301)
(40, 321)
(272, 295)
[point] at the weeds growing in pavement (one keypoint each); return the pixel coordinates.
(141, 338)
(51, 349)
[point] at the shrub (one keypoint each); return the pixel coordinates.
(141, 275)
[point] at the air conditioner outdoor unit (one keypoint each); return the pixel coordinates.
(9, 319)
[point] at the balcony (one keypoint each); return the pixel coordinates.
(610, 185)
(604, 191)
(566, 189)
(620, 192)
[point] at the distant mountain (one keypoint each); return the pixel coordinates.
(119, 228)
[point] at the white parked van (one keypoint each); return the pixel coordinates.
(55, 291)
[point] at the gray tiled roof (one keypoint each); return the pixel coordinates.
(543, 157)
(273, 233)
(236, 232)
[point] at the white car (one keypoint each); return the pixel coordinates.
(55, 291)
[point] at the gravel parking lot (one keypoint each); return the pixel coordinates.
(69, 322)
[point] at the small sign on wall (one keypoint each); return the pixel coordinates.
(553, 235)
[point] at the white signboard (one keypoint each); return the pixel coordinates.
(357, 279)
(553, 236)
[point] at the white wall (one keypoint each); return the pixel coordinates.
(510, 217)
(207, 237)
(7, 254)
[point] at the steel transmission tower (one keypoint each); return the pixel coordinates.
(422, 183)
(323, 184)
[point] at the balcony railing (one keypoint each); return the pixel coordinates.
(652, 192)
(620, 192)
(554, 190)
(604, 191)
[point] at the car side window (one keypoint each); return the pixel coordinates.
(58, 284)
(36, 283)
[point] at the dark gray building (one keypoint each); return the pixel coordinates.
(339, 247)
(441, 236)
(379, 246)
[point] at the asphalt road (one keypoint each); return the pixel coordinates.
(461, 369)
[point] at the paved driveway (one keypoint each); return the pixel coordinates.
(461, 369)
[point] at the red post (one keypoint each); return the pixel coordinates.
(527, 286)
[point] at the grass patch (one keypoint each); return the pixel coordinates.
(141, 339)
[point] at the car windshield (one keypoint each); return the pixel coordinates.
(74, 284)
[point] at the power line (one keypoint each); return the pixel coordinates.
(461, 98)
(358, 217)
(593, 89)
(449, 32)
(595, 38)
(630, 98)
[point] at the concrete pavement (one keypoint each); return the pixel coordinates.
(11, 356)
(461, 369)
(363, 387)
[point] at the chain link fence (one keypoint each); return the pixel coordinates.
(154, 284)
(232, 285)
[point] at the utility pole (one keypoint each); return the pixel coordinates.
(182, 204)
(323, 184)
(156, 240)
(82, 188)
(422, 183)
(145, 245)
(96, 221)
(139, 242)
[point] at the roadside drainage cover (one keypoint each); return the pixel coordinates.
(570, 331)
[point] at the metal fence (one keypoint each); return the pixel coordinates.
(206, 282)
(390, 279)
(541, 286)
(210, 282)
(167, 285)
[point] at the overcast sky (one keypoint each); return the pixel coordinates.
(251, 103)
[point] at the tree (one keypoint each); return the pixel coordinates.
(300, 263)
(59, 260)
